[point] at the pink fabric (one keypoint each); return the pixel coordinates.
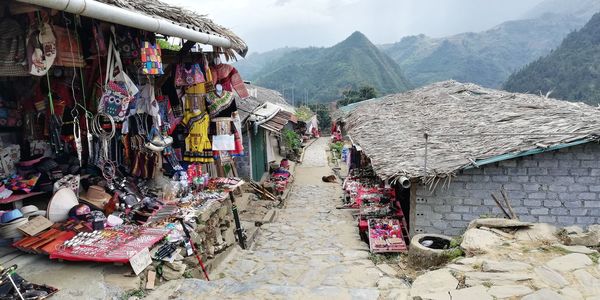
(227, 76)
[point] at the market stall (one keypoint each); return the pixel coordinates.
(110, 146)
(381, 220)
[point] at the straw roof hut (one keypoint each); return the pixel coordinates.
(260, 95)
(466, 125)
(183, 17)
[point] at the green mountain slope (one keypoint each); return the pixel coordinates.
(254, 62)
(485, 58)
(326, 72)
(570, 72)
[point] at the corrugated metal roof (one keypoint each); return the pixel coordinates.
(276, 123)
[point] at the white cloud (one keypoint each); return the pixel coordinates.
(268, 24)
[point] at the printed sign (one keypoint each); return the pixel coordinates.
(140, 261)
(35, 226)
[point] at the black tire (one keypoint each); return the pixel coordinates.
(424, 257)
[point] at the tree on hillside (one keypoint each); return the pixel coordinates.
(365, 92)
(322, 111)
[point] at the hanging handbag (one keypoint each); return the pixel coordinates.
(12, 49)
(185, 76)
(117, 88)
(151, 60)
(205, 87)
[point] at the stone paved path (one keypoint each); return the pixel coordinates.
(311, 251)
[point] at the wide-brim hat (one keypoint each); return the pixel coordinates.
(60, 205)
(96, 196)
(32, 210)
(10, 216)
(10, 230)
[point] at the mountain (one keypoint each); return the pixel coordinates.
(487, 58)
(571, 72)
(579, 8)
(324, 73)
(254, 62)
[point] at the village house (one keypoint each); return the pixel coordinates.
(455, 144)
(264, 115)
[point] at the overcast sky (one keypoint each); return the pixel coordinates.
(269, 24)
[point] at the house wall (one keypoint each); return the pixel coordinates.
(242, 163)
(559, 187)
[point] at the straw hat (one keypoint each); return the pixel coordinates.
(96, 196)
(60, 204)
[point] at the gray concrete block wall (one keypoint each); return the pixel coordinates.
(560, 187)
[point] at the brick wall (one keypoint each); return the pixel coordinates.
(560, 187)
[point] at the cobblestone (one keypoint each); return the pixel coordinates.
(311, 250)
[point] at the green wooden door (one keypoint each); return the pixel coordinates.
(259, 155)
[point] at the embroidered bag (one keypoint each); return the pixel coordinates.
(117, 92)
(203, 88)
(13, 59)
(151, 61)
(185, 76)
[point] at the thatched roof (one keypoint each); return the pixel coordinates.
(464, 123)
(258, 96)
(183, 17)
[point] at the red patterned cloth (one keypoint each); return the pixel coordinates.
(227, 76)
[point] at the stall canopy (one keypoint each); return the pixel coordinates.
(153, 16)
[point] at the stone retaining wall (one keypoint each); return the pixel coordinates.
(559, 187)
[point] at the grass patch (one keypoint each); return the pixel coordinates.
(487, 284)
(139, 293)
(187, 274)
(594, 257)
(455, 242)
(454, 253)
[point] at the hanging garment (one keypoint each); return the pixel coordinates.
(227, 76)
(145, 102)
(67, 48)
(203, 88)
(186, 75)
(237, 126)
(197, 143)
(217, 104)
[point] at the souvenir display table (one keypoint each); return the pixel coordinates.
(116, 245)
(120, 151)
(380, 218)
(17, 200)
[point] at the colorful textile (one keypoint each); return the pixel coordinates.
(186, 76)
(197, 143)
(151, 60)
(217, 104)
(203, 88)
(19, 183)
(227, 76)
